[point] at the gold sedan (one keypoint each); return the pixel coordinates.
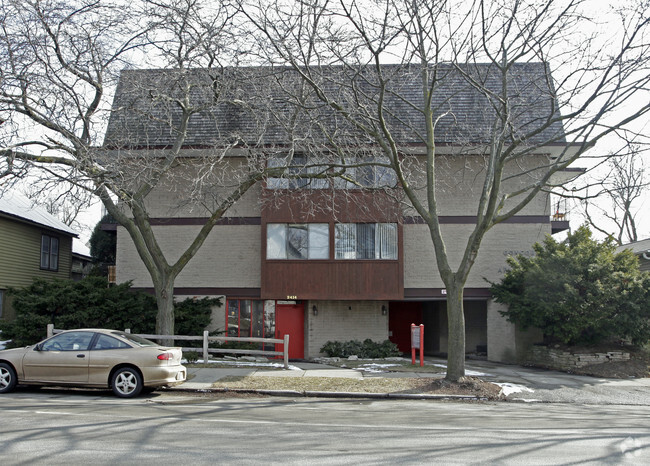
(126, 363)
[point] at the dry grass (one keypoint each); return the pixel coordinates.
(468, 386)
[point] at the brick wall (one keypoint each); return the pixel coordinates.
(230, 257)
(421, 270)
(459, 183)
(178, 194)
(337, 322)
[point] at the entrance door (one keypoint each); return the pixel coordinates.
(401, 315)
(290, 319)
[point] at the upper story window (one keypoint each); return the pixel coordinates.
(366, 241)
(296, 167)
(297, 241)
(361, 241)
(49, 252)
(357, 175)
(367, 176)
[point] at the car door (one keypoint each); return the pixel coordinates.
(62, 358)
(106, 353)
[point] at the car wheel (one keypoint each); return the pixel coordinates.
(126, 382)
(7, 378)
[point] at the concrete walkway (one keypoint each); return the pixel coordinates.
(519, 383)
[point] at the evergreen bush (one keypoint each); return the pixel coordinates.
(92, 303)
(367, 349)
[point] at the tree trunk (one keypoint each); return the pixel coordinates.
(456, 333)
(165, 317)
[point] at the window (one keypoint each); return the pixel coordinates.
(297, 241)
(104, 342)
(368, 176)
(295, 168)
(366, 241)
(49, 252)
(135, 339)
(247, 318)
(68, 341)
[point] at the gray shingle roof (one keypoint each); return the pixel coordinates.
(254, 105)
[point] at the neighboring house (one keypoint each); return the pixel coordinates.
(642, 251)
(82, 263)
(359, 266)
(33, 244)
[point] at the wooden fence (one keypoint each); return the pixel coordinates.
(206, 339)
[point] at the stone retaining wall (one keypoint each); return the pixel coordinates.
(554, 358)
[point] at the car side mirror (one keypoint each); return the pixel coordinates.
(38, 347)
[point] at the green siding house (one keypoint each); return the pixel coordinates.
(33, 244)
(642, 251)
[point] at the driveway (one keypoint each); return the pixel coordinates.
(541, 385)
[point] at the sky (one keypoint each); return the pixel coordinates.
(91, 216)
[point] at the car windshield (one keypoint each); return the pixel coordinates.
(136, 339)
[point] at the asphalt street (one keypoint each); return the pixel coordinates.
(52, 427)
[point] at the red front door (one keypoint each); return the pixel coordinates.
(401, 315)
(290, 320)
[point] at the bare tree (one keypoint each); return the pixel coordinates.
(620, 190)
(590, 82)
(59, 64)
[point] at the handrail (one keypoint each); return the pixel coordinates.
(207, 339)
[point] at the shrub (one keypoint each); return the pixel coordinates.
(578, 292)
(92, 303)
(192, 316)
(191, 356)
(366, 350)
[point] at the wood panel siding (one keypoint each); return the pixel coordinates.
(341, 280)
(20, 254)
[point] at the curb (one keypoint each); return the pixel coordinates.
(317, 394)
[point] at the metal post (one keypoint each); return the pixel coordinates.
(286, 351)
(412, 346)
(421, 344)
(206, 353)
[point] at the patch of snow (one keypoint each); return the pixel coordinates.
(510, 388)
(467, 371)
(248, 364)
(375, 368)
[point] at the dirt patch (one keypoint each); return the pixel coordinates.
(471, 386)
(468, 386)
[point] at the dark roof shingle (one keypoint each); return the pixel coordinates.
(254, 105)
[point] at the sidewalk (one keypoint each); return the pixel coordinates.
(518, 383)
